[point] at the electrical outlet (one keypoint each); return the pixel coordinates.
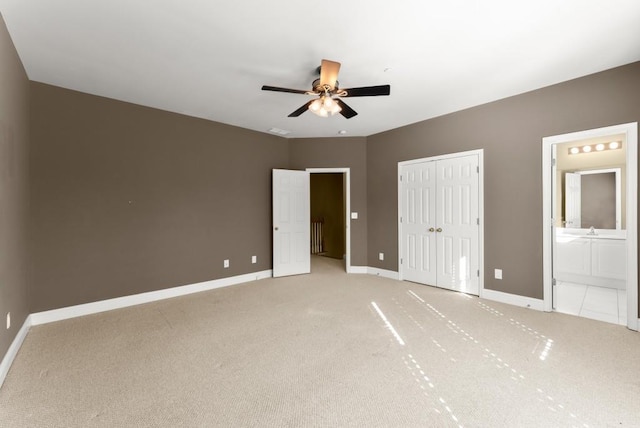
(354, 216)
(254, 259)
(498, 273)
(226, 263)
(8, 320)
(381, 256)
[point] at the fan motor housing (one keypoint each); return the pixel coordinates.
(317, 87)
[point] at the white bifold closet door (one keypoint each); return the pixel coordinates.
(440, 223)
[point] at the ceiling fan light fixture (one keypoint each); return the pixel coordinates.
(315, 106)
(328, 102)
(331, 105)
(324, 106)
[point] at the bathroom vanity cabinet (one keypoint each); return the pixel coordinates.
(592, 260)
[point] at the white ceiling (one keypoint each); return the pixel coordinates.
(209, 58)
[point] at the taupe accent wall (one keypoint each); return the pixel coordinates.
(14, 189)
(128, 199)
(340, 152)
(510, 131)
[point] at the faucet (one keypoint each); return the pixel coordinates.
(592, 231)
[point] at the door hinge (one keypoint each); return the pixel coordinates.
(400, 260)
(400, 177)
(478, 169)
(553, 162)
(553, 281)
(478, 221)
(478, 273)
(400, 219)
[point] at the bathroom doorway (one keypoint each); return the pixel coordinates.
(590, 240)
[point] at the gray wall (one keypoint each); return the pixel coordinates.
(127, 199)
(340, 152)
(14, 189)
(510, 131)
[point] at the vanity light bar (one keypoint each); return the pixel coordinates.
(600, 147)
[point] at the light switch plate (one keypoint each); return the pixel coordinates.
(498, 273)
(226, 263)
(354, 216)
(381, 256)
(254, 259)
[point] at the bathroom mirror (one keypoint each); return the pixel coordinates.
(593, 199)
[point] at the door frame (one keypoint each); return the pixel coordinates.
(548, 143)
(347, 207)
(480, 154)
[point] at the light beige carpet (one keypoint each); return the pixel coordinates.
(326, 349)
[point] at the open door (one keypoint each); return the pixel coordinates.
(291, 226)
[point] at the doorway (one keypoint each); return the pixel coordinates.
(590, 256)
(327, 215)
(331, 200)
(440, 202)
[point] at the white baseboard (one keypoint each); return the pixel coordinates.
(513, 299)
(137, 299)
(383, 272)
(5, 365)
(374, 271)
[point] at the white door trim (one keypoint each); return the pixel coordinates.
(347, 208)
(480, 154)
(631, 132)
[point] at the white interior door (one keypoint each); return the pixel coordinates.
(418, 222)
(458, 224)
(572, 200)
(291, 223)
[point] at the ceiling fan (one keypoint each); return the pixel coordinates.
(329, 100)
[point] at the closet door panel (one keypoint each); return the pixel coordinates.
(457, 219)
(418, 223)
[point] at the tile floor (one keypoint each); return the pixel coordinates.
(599, 303)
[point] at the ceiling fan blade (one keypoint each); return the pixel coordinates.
(366, 91)
(276, 89)
(301, 109)
(346, 111)
(329, 73)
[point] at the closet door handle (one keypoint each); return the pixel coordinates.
(439, 229)
(431, 229)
